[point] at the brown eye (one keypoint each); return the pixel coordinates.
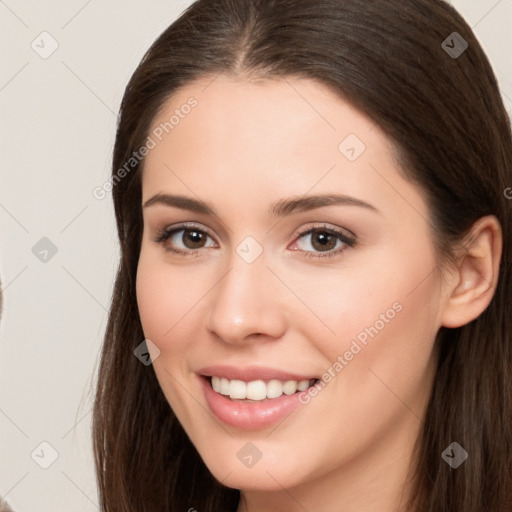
(193, 239)
(184, 240)
(323, 241)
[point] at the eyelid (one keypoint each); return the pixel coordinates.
(323, 225)
(163, 234)
(348, 242)
(167, 230)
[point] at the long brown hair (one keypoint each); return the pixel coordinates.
(452, 135)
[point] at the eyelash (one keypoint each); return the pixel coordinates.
(164, 234)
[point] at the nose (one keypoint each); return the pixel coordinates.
(246, 304)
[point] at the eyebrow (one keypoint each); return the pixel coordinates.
(281, 208)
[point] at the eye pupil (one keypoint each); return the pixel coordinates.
(325, 240)
(193, 238)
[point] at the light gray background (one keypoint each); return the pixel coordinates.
(58, 119)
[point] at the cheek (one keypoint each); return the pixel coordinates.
(154, 301)
(370, 293)
(165, 297)
(382, 325)
(167, 302)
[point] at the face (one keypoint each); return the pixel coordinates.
(283, 250)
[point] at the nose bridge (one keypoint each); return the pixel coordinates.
(245, 301)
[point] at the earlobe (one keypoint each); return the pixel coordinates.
(476, 277)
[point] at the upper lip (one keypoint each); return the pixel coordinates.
(250, 373)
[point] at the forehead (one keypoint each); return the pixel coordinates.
(271, 138)
(226, 112)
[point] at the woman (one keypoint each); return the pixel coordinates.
(315, 255)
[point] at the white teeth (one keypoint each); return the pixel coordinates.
(303, 385)
(237, 389)
(224, 386)
(258, 389)
(290, 386)
(274, 389)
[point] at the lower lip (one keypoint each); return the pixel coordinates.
(246, 415)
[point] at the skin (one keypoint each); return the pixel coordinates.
(246, 145)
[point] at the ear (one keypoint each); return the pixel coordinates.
(472, 286)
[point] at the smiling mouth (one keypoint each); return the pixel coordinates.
(257, 391)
